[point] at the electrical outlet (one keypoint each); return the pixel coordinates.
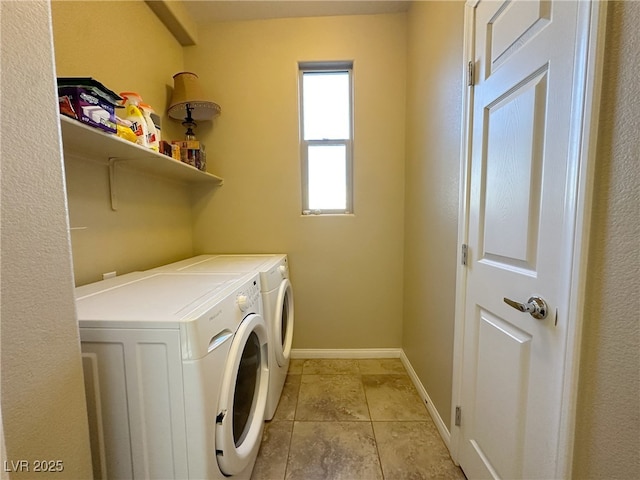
(108, 275)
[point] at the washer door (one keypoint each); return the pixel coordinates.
(243, 397)
(283, 316)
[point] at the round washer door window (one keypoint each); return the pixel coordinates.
(246, 389)
(283, 322)
(243, 397)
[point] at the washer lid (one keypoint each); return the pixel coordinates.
(158, 297)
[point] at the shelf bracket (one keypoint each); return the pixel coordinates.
(113, 163)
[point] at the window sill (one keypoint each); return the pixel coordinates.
(318, 215)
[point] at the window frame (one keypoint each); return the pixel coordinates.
(326, 67)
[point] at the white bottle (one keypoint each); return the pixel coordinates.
(153, 136)
(134, 114)
(157, 122)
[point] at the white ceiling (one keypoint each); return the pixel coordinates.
(206, 11)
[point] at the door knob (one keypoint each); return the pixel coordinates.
(536, 307)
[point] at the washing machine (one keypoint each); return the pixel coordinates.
(277, 301)
(176, 374)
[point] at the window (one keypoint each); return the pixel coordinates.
(326, 131)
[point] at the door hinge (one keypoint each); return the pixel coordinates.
(470, 74)
(464, 254)
(458, 416)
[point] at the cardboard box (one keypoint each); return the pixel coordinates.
(88, 101)
(189, 151)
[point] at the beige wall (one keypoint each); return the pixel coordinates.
(153, 223)
(608, 421)
(43, 407)
(346, 270)
(434, 105)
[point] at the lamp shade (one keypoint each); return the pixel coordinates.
(187, 90)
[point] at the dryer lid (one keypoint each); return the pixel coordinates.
(232, 263)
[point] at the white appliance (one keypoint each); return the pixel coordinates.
(277, 301)
(176, 374)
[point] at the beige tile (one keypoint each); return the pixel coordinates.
(288, 399)
(381, 366)
(331, 398)
(412, 451)
(337, 366)
(393, 397)
(333, 450)
(337, 439)
(274, 451)
(295, 366)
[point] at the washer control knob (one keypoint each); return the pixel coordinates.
(243, 302)
(284, 271)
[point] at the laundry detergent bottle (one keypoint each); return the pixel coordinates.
(153, 139)
(133, 113)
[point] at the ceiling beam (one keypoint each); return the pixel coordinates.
(177, 20)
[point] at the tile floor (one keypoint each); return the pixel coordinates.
(351, 420)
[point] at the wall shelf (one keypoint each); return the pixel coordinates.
(85, 141)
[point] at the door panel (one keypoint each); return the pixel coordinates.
(514, 125)
(497, 437)
(511, 26)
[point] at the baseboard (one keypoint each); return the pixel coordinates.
(300, 353)
(346, 353)
(435, 415)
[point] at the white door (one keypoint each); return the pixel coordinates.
(521, 214)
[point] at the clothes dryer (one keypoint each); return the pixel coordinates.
(176, 374)
(277, 301)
